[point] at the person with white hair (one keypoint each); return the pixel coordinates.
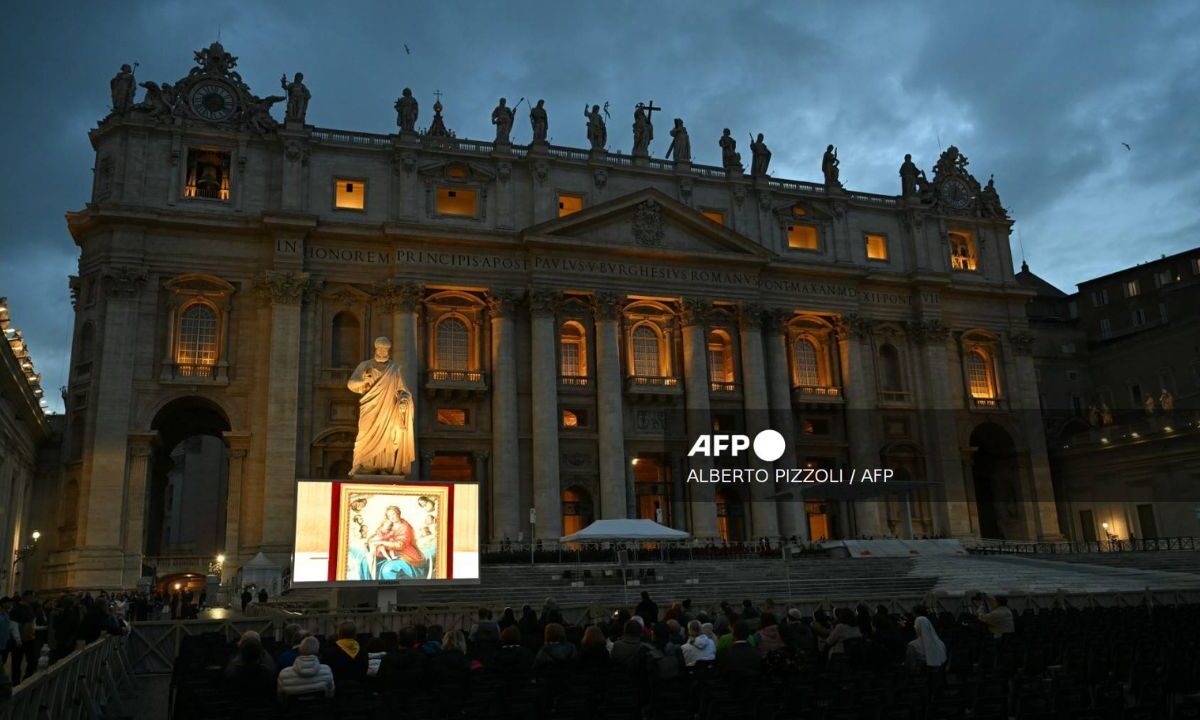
(927, 651)
(700, 647)
(307, 673)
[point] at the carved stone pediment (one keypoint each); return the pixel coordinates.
(455, 171)
(649, 219)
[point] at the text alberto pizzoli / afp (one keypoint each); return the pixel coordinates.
(809, 476)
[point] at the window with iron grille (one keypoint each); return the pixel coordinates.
(806, 363)
(645, 352)
(979, 377)
(197, 336)
(453, 345)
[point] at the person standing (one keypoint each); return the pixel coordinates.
(10, 637)
(246, 598)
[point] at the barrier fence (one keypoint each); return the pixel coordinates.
(1072, 547)
(89, 683)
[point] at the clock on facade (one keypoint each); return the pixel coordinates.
(955, 193)
(212, 101)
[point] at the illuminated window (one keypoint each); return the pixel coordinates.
(573, 351)
(889, 369)
(350, 194)
(574, 418)
(1132, 289)
(197, 336)
(207, 175)
(645, 352)
(452, 417)
(1196, 266)
(720, 359)
(877, 248)
(979, 376)
(806, 363)
(802, 237)
(453, 345)
(714, 215)
(962, 251)
(568, 204)
(346, 339)
(460, 202)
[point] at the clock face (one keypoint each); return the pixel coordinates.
(955, 193)
(212, 101)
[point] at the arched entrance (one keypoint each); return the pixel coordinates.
(652, 488)
(189, 477)
(576, 509)
(996, 481)
(731, 516)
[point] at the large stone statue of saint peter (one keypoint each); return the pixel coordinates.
(385, 444)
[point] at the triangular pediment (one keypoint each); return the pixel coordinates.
(649, 220)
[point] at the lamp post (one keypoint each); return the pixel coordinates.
(23, 552)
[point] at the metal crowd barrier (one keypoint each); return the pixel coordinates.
(1073, 547)
(89, 683)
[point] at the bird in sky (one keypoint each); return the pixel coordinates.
(406, 50)
(1126, 146)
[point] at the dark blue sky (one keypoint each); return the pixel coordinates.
(1041, 94)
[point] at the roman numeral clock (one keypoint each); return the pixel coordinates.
(212, 101)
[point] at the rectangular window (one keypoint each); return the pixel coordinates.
(349, 194)
(1072, 309)
(1105, 328)
(815, 426)
(1132, 288)
(1099, 298)
(1163, 277)
(1077, 405)
(1135, 392)
(1072, 375)
(571, 367)
(1162, 313)
(877, 248)
(574, 418)
(1068, 348)
(1196, 266)
(458, 202)
(452, 417)
(568, 204)
(723, 423)
(207, 175)
(962, 251)
(1139, 317)
(715, 215)
(802, 237)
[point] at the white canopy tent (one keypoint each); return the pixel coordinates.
(631, 530)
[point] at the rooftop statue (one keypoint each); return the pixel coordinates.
(257, 113)
(989, 201)
(760, 156)
(406, 111)
(159, 102)
(829, 168)
(123, 86)
(731, 159)
(681, 146)
(643, 128)
(297, 98)
(437, 128)
(385, 444)
(502, 118)
(214, 60)
(597, 132)
(539, 121)
(910, 176)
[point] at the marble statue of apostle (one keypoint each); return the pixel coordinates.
(406, 111)
(597, 132)
(502, 118)
(760, 156)
(539, 121)
(297, 98)
(829, 167)
(123, 87)
(730, 157)
(909, 176)
(681, 146)
(643, 130)
(385, 444)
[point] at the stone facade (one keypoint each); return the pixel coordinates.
(570, 320)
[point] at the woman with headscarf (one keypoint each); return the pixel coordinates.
(927, 651)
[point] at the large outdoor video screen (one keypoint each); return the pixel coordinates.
(386, 533)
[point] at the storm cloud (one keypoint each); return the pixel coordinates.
(1042, 95)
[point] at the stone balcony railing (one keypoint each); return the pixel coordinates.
(987, 403)
(574, 383)
(819, 394)
(456, 382)
(725, 389)
(894, 397)
(653, 386)
(195, 373)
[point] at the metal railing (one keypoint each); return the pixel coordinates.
(196, 371)
(580, 381)
(88, 683)
(724, 387)
(1075, 547)
(809, 393)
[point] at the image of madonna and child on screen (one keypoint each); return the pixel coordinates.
(380, 533)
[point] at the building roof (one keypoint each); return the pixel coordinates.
(1044, 289)
(1143, 266)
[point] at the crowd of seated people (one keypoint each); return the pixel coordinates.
(733, 661)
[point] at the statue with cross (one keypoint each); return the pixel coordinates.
(643, 128)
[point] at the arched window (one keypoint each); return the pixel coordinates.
(572, 344)
(346, 338)
(807, 372)
(979, 376)
(453, 345)
(645, 352)
(889, 369)
(720, 359)
(197, 347)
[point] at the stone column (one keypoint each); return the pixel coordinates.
(239, 445)
(481, 477)
(858, 382)
(1023, 401)
(102, 491)
(135, 506)
(754, 393)
(403, 300)
(506, 464)
(694, 318)
(610, 407)
(284, 291)
(547, 495)
(945, 456)
(779, 391)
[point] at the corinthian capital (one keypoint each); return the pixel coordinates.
(853, 325)
(502, 302)
(695, 311)
(283, 288)
(751, 316)
(544, 301)
(399, 296)
(606, 305)
(928, 331)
